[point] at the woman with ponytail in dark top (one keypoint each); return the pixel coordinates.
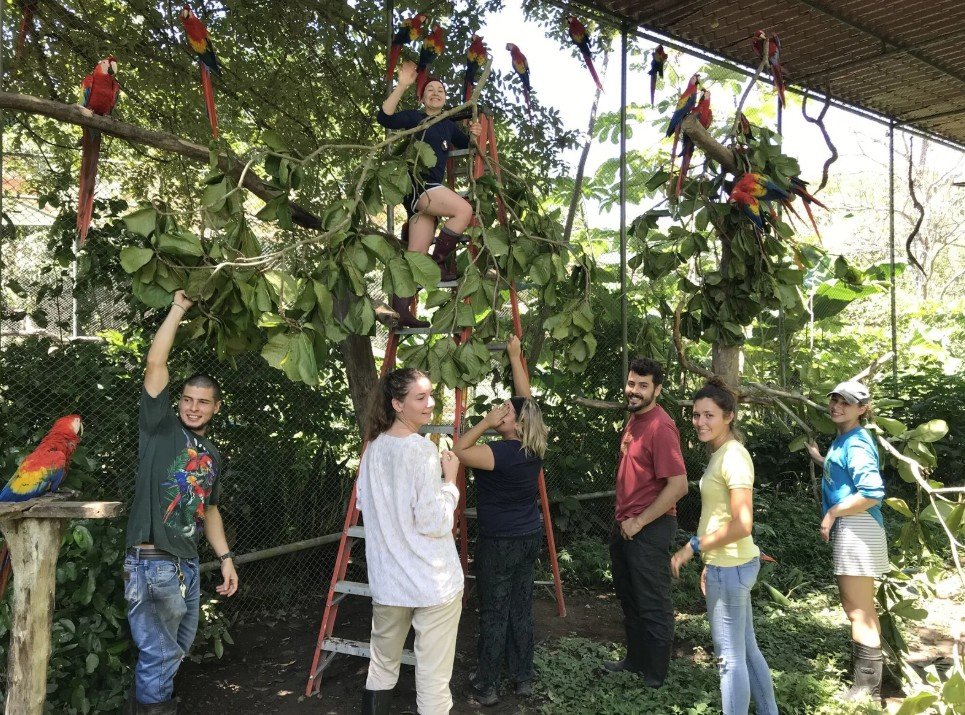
(510, 532)
(731, 559)
(408, 498)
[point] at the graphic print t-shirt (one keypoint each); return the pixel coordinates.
(177, 478)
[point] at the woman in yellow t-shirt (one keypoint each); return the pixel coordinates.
(731, 560)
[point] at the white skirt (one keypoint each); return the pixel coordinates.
(859, 545)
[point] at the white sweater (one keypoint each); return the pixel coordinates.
(409, 513)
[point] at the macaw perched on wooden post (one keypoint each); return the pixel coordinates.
(521, 66)
(28, 8)
(100, 90)
(685, 105)
(476, 57)
(200, 42)
(409, 31)
(657, 61)
(41, 471)
(581, 38)
(432, 48)
(773, 49)
(705, 116)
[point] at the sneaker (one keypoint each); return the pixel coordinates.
(485, 697)
(524, 688)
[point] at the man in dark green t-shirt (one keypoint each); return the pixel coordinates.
(175, 498)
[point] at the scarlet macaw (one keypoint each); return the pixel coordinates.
(409, 31)
(685, 105)
(200, 42)
(749, 205)
(432, 47)
(522, 69)
(28, 7)
(581, 38)
(799, 187)
(657, 61)
(476, 57)
(100, 90)
(773, 60)
(750, 190)
(41, 471)
(705, 116)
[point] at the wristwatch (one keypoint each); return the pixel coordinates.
(695, 544)
(225, 557)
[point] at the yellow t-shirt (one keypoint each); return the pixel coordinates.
(730, 467)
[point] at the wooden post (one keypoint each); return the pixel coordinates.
(33, 531)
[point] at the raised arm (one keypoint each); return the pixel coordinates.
(156, 375)
(480, 456)
(407, 77)
(521, 386)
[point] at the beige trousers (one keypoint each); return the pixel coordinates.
(435, 649)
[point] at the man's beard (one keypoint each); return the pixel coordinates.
(644, 403)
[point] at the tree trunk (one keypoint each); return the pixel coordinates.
(360, 370)
(727, 363)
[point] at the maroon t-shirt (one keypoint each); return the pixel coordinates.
(649, 454)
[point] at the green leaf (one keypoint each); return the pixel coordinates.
(277, 350)
(893, 427)
(152, 295)
(92, 662)
(180, 243)
(133, 258)
(380, 247)
(899, 505)
(424, 270)
(143, 221)
(797, 444)
(324, 297)
(929, 432)
(402, 281)
(495, 241)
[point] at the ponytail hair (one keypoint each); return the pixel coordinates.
(533, 432)
(725, 398)
(394, 386)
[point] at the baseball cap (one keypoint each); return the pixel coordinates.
(853, 392)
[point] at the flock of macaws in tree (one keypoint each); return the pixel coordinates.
(101, 88)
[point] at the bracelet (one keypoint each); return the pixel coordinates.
(695, 544)
(226, 556)
(178, 305)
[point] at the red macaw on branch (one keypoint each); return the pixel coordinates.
(41, 471)
(581, 38)
(657, 62)
(476, 57)
(100, 90)
(200, 42)
(432, 48)
(28, 8)
(751, 190)
(409, 31)
(685, 105)
(705, 116)
(773, 49)
(521, 66)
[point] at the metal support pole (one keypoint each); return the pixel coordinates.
(891, 231)
(623, 199)
(781, 326)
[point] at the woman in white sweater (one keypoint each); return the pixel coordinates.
(408, 497)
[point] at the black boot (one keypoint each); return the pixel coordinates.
(376, 702)
(867, 663)
(654, 662)
(168, 707)
(130, 705)
(446, 243)
(406, 318)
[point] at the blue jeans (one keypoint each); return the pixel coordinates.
(163, 622)
(743, 670)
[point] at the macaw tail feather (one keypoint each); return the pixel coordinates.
(673, 150)
(807, 208)
(685, 155)
(208, 90)
(778, 75)
(5, 570)
(395, 52)
(25, 24)
(90, 153)
(653, 86)
(588, 58)
(422, 77)
(529, 107)
(467, 89)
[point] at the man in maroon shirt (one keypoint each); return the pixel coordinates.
(651, 477)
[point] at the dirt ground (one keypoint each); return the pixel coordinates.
(266, 670)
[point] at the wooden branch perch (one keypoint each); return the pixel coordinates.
(727, 158)
(72, 114)
(819, 121)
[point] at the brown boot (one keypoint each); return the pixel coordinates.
(406, 319)
(446, 243)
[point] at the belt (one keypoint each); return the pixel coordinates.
(151, 554)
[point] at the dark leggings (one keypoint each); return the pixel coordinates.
(504, 578)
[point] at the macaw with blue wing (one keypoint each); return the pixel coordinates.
(476, 57)
(685, 105)
(705, 116)
(581, 38)
(432, 47)
(770, 49)
(409, 31)
(657, 62)
(41, 471)
(521, 66)
(752, 192)
(100, 90)
(200, 41)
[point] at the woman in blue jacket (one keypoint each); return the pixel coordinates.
(430, 199)
(851, 494)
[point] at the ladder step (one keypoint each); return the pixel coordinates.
(420, 331)
(356, 532)
(353, 588)
(455, 153)
(359, 648)
(496, 347)
(448, 429)
(470, 513)
(447, 284)
(536, 583)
